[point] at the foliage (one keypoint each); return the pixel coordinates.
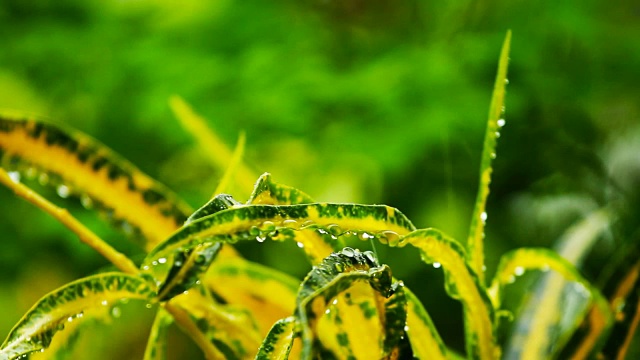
(348, 306)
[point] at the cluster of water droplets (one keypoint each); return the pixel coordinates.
(281, 230)
(22, 172)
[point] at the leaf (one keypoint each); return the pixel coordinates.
(277, 345)
(336, 275)
(236, 161)
(214, 148)
(157, 344)
(625, 303)
(267, 293)
(280, 222)
(460, 283)
(267, 192)
(81, 166)
(423, 336)
(232, 331)
(547, 334)
(186, 270)
(475, 246)
(39, 325)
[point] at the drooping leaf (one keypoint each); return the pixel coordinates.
(268, 192)
(423, 336)
(233, 332)
(461, 283)
(40, 324)
(277, 345)
(547, 333)
(81, 166)
(475, 246)
(280, 222)
(269, 294)
(186, 269)
(337, 274)
(157, 344)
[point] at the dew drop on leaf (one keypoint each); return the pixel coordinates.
(15, 176)
(63, 191)
(116, 312)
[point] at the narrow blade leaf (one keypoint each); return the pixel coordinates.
(81, 166)
(475, 246)
(39, 325)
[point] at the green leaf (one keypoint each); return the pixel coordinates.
(281, 222)
(267, 192)
(40, 324)
(267, 293)
(475, 246)
(157, 344)
(186, 270)
(626, 304)
(423, 336)
(461, 283)
(336, 275)
(548, 332)
(277, 345)
(81, 166)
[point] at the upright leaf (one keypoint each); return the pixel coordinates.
(475, 246)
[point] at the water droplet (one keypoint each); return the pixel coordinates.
(307, 224)
(501, 122)
(519, 270)
(406, 328)
(349, 252)
(391, 237)
(43, 179)
(335, 229)
(116, 312)
(104, 303)
(177, 263)
(31, 172)
(126, 227)
(290, 224)
(154, 263)
(300, 245)
(365, 236)
(261, 238)
(70, 319)
(437, 265)
(63, 191)
(162, 260)
(15, 176)
(497, 134)
(268, 226)
(254, 231)
(148, 306)
(483, 216)
(335, 301)
(545, 268)
(506, 81)
(145, 268)
(86, 201)
(511, 279)
(493, 155)
(328, 311)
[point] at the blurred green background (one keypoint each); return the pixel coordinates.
(370, 101)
